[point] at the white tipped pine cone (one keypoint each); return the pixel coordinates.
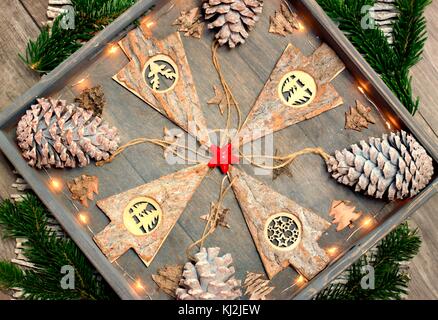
(395, 166)
(211, 278)
(54, 134)
(233, 18)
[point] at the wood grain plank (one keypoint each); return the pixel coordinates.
(424, 283)
(37, 10)
(17, 28)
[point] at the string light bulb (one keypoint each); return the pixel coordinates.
(83, 217)
(112, 49)
(150, 24)
(367, 222)
(361, 89)
(55, 184)
(138, 285)
(300, 280)
(332, 250)
(300, 26)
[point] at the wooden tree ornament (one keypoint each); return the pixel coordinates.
(142, 218)
(284, 232)
(298, 89)
(159, 74)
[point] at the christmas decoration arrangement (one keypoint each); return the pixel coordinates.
(211, 277)
(233, 19)
(53, 133)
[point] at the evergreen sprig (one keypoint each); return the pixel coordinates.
(49, 253)
(391, 61)
(54, 45)
(391, 282)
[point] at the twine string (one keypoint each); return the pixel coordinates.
(213, 217)
(162, 143)
(287, 159)
(231, 100)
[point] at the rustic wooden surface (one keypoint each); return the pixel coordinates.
(19, 25)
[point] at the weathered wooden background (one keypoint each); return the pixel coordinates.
(21, 19)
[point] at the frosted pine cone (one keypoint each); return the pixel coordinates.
(234, 18)
(395, 166)
(211, 278)
(54, 134)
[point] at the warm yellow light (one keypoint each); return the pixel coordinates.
(300, 26)
(300, 280)
(361, 89)
(367, 222)
(388, 125)
(55, 184)
(81, 81)
(332, 250)
(83, 217)
(138, 286)
(112, 49)
(150, 24)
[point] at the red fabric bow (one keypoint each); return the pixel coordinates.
(222, 157)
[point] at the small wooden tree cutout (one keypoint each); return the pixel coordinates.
(257, 288)
(170, 196)
(272, 113)
(261, 205)
(358, 118)
(343, 214)
(167, 279)
(83, 188)
(179, 102)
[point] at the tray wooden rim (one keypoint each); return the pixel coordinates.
(315, 17)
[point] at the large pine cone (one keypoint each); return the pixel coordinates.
(395, 166)
(234, 18)
(211, 278)
(54, 134)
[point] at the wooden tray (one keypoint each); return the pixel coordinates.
(246, 69)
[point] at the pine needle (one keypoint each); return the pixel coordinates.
(49, 253)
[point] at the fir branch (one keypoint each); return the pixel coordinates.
(49, 253)
(391, 282)
(410, 32)
(392, 62)
(56, 44)
(50, 48)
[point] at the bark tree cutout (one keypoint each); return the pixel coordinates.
(161, 73)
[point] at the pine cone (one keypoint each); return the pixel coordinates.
(235, 18)
(52, 133)
(92, 99)
(210, 278)
(395, 166)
